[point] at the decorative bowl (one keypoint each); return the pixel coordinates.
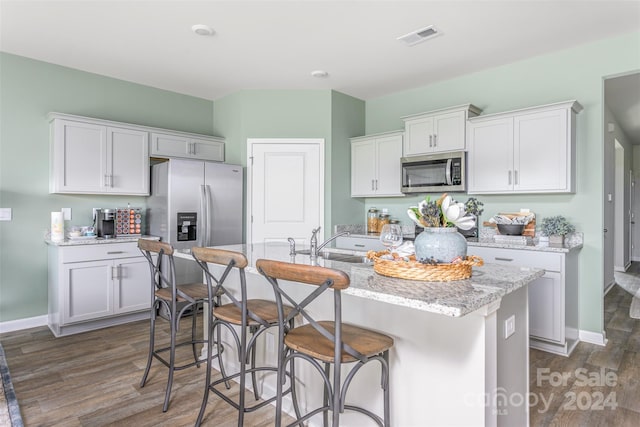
(511, 229)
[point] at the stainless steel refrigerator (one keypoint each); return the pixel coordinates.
(195, 203)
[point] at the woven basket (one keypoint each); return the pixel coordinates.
(414, 270)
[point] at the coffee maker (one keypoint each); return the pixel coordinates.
(105, 223)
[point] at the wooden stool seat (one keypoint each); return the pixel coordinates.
(197, 291)
(306, 339)
(266, 310)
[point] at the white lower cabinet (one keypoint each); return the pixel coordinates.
(553, 298)
(94, 286)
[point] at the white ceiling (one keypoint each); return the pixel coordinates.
(276, 44)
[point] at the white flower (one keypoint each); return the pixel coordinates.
(454, 213)
(412, 215)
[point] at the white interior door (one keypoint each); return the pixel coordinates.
(285, 189)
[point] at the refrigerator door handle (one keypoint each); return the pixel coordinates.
(202, 221)
(209, 222)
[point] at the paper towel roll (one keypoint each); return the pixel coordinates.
(57, 227)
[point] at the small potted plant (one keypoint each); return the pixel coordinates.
(556, 227)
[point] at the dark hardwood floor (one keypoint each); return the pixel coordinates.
(596, 386)
(92, 379)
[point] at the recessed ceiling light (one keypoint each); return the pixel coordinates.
(202, 30)
(319, 73)
(418, 36)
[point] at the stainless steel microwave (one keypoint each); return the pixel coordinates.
(438, 172)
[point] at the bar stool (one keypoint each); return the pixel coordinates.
(177, 299)
(322, 343)
(254, 315)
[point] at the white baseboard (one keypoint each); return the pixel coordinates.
(608, 287)
(20, 324)
(593, 337)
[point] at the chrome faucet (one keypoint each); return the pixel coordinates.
(292, 246)
(314, 242)
(315, 248)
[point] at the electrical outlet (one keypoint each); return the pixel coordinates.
(509, 326)
(66, 213)
(5, 214)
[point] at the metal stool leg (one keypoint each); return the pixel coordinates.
(193, 334)
(172, 360)
(325, 399)
(385, 373)
(252, 350)
(152, 329)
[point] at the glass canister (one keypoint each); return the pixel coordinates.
(372, 220)
(385, 218)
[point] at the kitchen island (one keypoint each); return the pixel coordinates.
(452, 362)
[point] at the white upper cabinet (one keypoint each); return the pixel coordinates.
(375, 165)
(437, 131)
(525, 151)
(92, 158)
(181, 145)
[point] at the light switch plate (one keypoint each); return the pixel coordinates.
(5, 214)
(66, 213)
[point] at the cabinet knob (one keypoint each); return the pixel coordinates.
(503, 259)
(430, 140)
(435, 140)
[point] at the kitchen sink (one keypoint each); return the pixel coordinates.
(335, 256)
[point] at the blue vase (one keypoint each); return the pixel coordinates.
(443, 244)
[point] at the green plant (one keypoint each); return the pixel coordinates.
(556, 225)
(444, 212)
(474, 206)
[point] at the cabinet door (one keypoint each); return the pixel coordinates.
(418, 137)
(131, 285)
(208, 150)
(546, 308)
(449, 131)
(170, 145)
(363, 168)
(389, 171)
(490, 157)
(128, 157)
(541, 151)
(79, 162)
(87, 291)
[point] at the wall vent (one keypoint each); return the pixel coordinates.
(419, 36)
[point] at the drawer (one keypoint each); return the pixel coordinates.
(359, 244)
(549, 261)
(103, 251)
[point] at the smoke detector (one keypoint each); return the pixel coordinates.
(319, 74)
(202, 30)
(418, 36)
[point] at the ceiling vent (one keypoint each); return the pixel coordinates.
(419, 36)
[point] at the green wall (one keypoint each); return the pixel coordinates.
(28, 91)
(569, 74)
(347, 120)
(298, 114)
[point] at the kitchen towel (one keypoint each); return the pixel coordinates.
(57, 227)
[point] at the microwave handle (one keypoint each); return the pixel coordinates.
(448, 172)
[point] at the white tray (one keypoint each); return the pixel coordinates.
(82, 238)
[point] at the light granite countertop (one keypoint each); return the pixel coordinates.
(573, 241)
(457, 298)
(98, 240)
